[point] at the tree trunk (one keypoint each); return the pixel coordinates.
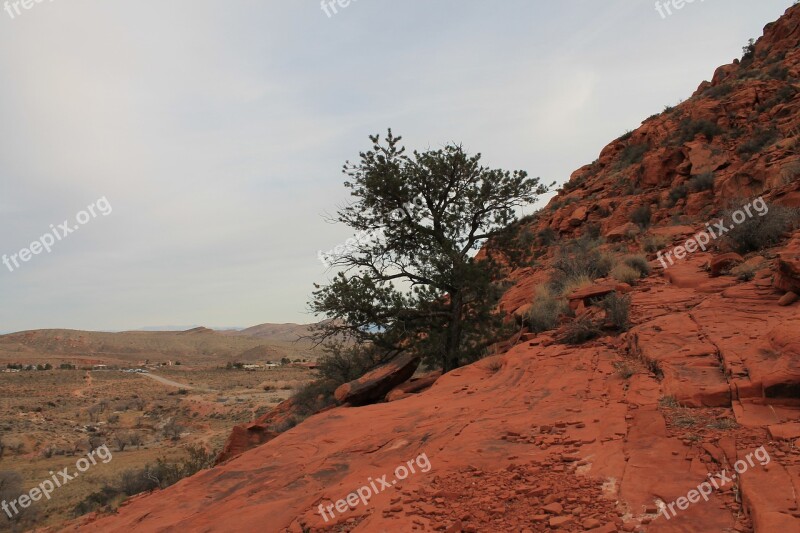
(453, 340)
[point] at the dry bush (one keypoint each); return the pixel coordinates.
(625, 274)
(655, 243)
(580, 330)
(758, 232)
(545, 310)
(638, 262)
(618, 310)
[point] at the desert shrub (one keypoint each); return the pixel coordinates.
(624, 369)
(159, 475)
(720, 91)
(625, 274)
(759, 232)
(642, 216)
(639, 263)
(702, 182)
(580, 258)
(679, 192)
(790, 173)
(573, 284)
(654, 243)
(668, 402)
(580, 330)
(593, 230)
(632, 154)
(315, 396)
(688, 129)
(749, 50)
(172, 429)
(744, 272)
(495, 366)
(618, 310)
(757, 142)
(723, 423)
(547, 236)
(11, 486)
(545, 310)
(342, 363)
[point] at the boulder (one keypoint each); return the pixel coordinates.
(245, 437)
(788, 265)
(623, 232)
(722, 264)
(373, 386)
(413, 386)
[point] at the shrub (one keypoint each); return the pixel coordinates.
(757, 142)
(618, 310)
(631, 154)
(639, 263)
(689, 129)
(625, 274)
(315, 396)
(573, 284)
(341, 363)
(160, 475)
(669, 402)
(719, 91)
(577, 259)
(545, 310)
(580, 330)
(624, 369)
(759, 232)
(677, 193)
(642, 216)
(654, 243)
(702, 182)
(547, 236)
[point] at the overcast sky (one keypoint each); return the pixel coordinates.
(217, 130)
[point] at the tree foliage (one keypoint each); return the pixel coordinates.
(416, 284)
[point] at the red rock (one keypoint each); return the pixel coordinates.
(553, 508)
(413, 386)
(623, 232)
(375, 384)
(723, 263)
(788, 299)
(560, 521)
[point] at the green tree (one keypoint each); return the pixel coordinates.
(411, 280)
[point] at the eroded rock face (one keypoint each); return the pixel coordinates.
(247, 436)
(373, 386)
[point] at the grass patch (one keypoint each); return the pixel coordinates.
(581, 330)
(618, 311)
(625, 274)
(546, 309)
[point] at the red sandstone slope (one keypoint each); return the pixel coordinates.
(581, 438)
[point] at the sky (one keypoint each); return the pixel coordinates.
(209, 136)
